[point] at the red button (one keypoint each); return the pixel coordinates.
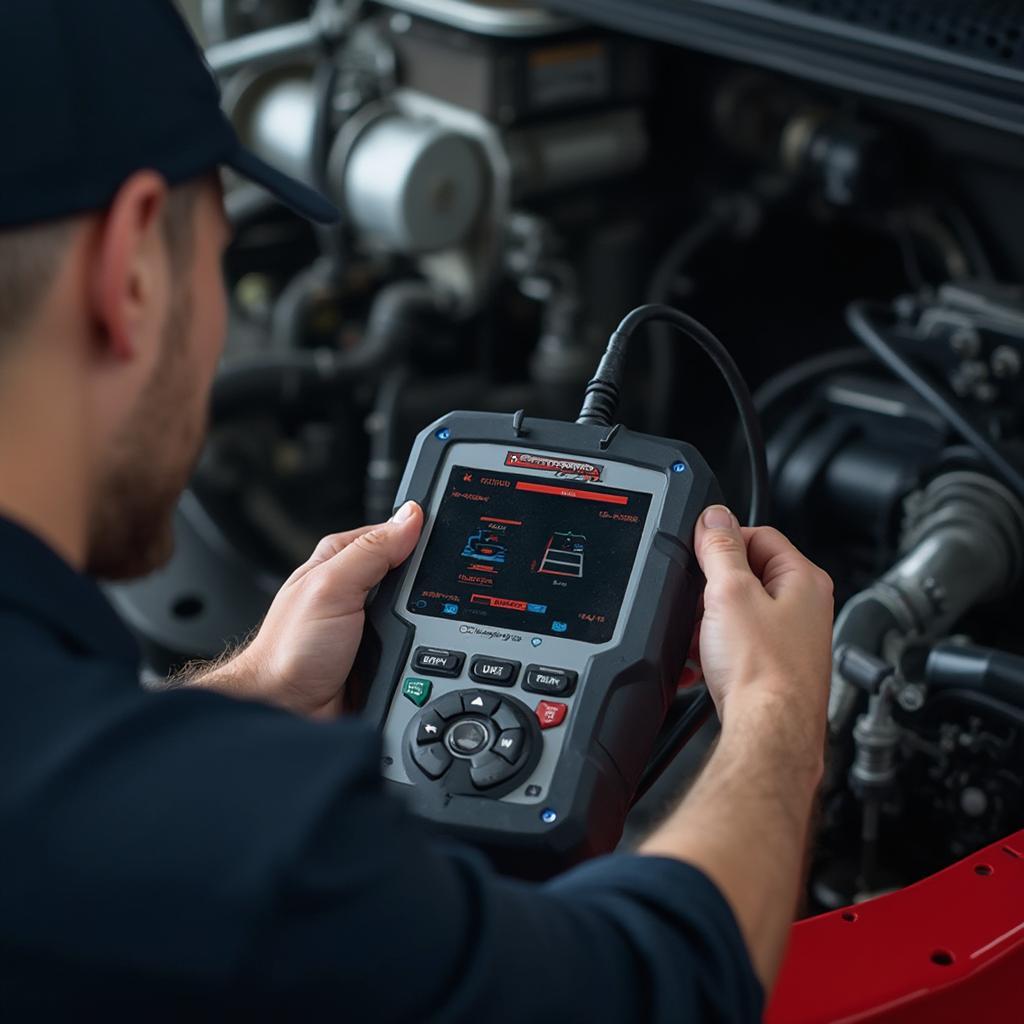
(550, 713)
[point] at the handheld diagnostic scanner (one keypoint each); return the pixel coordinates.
(521, 663)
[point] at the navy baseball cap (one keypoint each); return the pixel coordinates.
(95, 90)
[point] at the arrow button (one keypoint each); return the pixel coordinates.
(479, 702)
(430, 727)
(510, 745)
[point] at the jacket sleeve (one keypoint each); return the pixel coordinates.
(375, 920)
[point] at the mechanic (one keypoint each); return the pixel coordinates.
(225, 847)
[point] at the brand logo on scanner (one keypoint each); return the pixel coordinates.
(491, 634)
(560, 467)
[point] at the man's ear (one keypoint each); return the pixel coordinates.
(129, 259)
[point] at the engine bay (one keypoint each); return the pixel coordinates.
(512, 181)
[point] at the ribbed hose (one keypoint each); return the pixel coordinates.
(963, 544)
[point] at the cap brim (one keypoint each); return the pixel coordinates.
(305, 201)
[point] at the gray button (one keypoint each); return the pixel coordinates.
(467, 738)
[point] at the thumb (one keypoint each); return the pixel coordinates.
(718, 543)
(371, 556)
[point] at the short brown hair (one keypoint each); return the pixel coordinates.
(30, 257)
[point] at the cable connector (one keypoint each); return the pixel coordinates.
(601, 400)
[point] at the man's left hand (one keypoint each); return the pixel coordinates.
(304, 651)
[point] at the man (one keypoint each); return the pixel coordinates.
(225, 849)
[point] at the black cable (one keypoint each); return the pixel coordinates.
(671, 742)
(599, 407)
(859, 319)
(773, 390)
(602, 397)
(666, 275)
(325, 83)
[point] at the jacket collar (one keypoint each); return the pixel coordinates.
(34, 579)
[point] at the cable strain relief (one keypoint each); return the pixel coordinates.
(600, 403)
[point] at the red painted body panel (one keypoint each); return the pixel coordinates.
(947, 950)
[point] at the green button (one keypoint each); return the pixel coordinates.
(417, 690)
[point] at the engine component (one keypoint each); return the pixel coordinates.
(848, 161)
(411, 186)
(962, 543)
(959, 666)
(973, 334)
(277, 113)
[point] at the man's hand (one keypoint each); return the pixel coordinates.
(303, 652)
(765, 637)
(764, 646)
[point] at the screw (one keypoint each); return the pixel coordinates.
(911, 697)
(1006, 362)
(443, 434)
(679, 467)
(965, 342)
(548, 816)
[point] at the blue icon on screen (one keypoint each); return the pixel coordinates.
(536, 641)
(539, 609)
(558, 627)
(450, 609)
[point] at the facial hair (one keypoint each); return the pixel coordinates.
(152, 460)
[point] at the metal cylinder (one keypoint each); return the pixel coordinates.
(411, 186)
(278, 123)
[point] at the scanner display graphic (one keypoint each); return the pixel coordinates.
(514, 571)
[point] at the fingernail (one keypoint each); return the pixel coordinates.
(405, 513)
(718, 517)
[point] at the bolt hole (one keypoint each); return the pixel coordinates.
(943, 958)
(849, 915)
(983, 869)
(188, 607)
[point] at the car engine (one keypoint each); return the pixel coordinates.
(835, 187)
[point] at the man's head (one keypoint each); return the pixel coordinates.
(111, 306)
(125, 308)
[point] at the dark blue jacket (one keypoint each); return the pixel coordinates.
(185, 856)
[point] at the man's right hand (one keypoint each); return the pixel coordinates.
(764, 647)
(765, 638)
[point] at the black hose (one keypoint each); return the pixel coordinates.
(280, 379)
(384, 468)
(602, 397)
(997, 674)
(858, 317)
(291, 310)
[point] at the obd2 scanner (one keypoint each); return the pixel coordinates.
(522, 661)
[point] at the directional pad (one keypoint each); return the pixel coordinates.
(474, 739)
